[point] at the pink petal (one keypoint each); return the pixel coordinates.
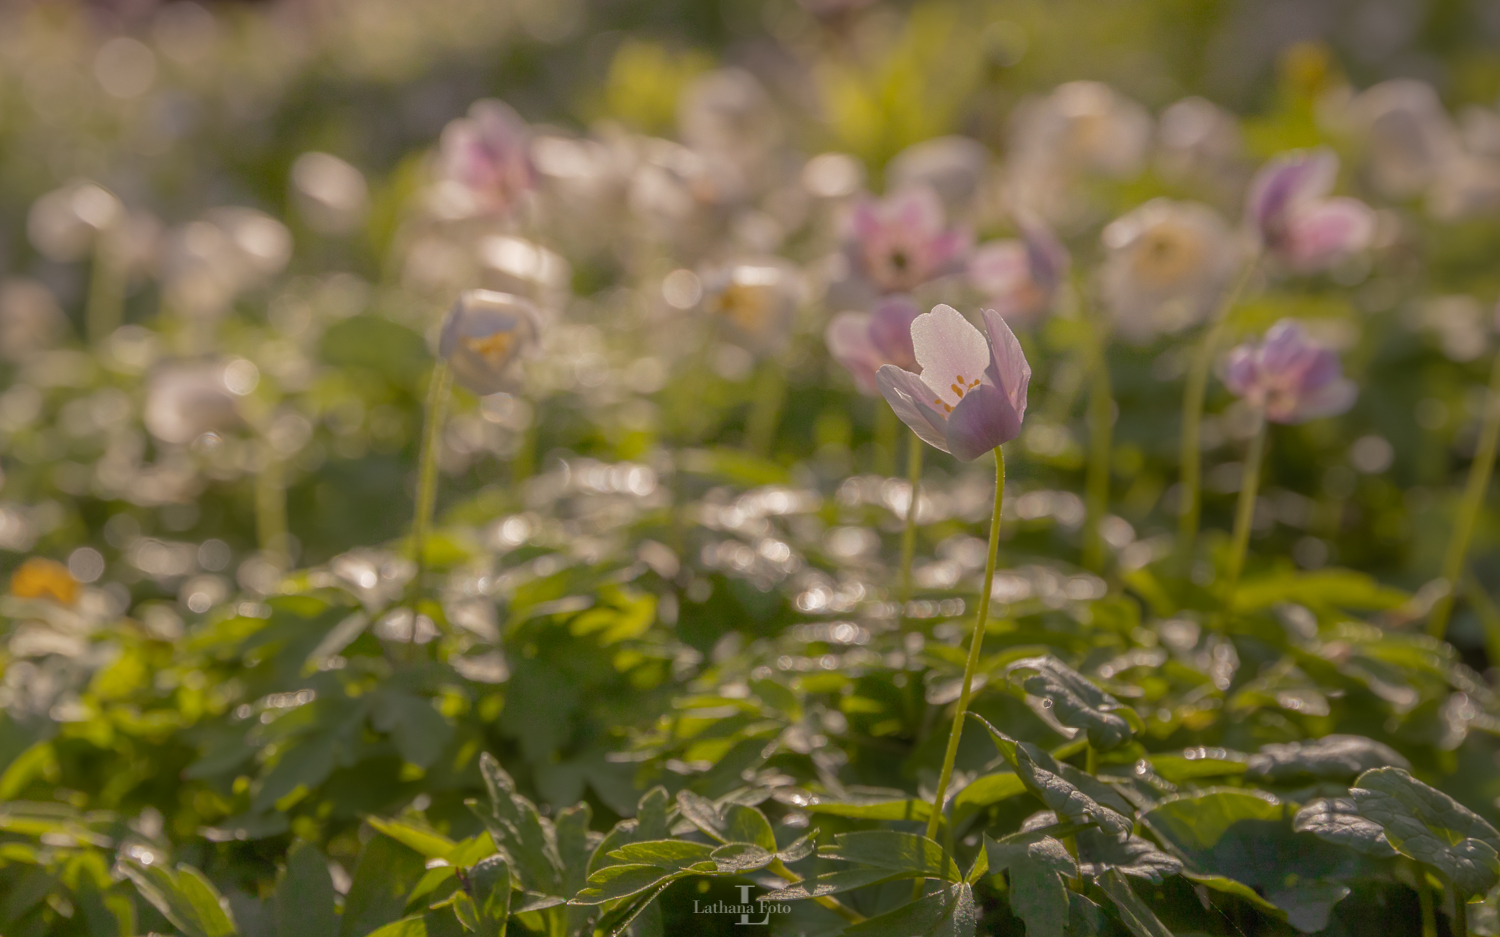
(1327, 231)
(984, 419)
(890, 331)
(916, 210)
(1329, 400)
(848, 338)
(909, 397)
(953, 354)
(1008, 369)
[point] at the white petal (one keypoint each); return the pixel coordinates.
(952, 353)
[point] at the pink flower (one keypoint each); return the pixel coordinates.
(862, 342)
(971, 394)
(483, 337)
(902, 241)
(1297, 221)
(488, 154)
(1021, 277)
(1289, 376)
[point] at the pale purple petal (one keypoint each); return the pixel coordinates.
(945, 252)
(1331, 399)
(1288, 179)
(952, 352)
(864, 219)
(909, 397)
(1009, 370)
(1241, 370)
(984, 419)
(917, 210)
(1049, 259)
(1327, 231)
(1000, 268)
(848, 338)
(1286, 346)
(890, 331)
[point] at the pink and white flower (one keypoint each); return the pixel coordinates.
(1021, 277)
(971, 393)
(488, 154)
(484, 335)
(1288, 376)
(862, 342)
(1297, 221)
(902, 241)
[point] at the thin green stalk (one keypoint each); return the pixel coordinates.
(523, 461)
(1244, 515)
(270, 507)
(1480, 471)
(974, 646)
(909, 534)
(1194, 392)
(887, 430)
(1091, 760)
(765, 409)
(106, 301)
(1101, 416)
(427, 478)
(1459, 923)
(1424, 900)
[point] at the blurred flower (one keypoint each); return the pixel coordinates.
(862, 342)
(1197, 139)
(1082, 127)
(515, 265)
(30, 319)
(184, 400)
(207, 263)
(903, 240)
(332, 195)
(487, 154)
(830, 10)
(65, 224)
(483, 336)
(1021, 277)
(1289, 376)
(1468, 186)
(971, 394)
(41, 578)
(757, 300)
(953, 167)
(1297, 222)
(727, 114)
(1167, 264)
(1410, 137)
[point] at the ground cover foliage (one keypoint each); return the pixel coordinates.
(346, 600)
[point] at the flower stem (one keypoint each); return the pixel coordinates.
(765, 409)
(1459, 923)
(973, 662)
(1480, 471)
(270, 507)
(106, 300)
(909, 534)
(1424, 900)
(432, 434)
(1244, 514)
(1101, 417)
(1194, 392)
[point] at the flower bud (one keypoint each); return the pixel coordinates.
(483, 336)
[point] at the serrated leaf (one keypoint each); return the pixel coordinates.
(304, 902)
(738, 858)
(1059, 794)
(947, 912)
(729, 822)
(526, 840)
(1139, 918)
(1431, 827)
(621, 881)
(985, 791)
(384, 875)
(1337, 819)
(1194, 763)
(184, 897)
(1074, 700)
(1038, 865)
(670, 854)
(425, 842)
(1331, 758)
(1133, 856)
(895, 851)
(832, 883)
(490, 887)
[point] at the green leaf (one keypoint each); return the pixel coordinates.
(832, 883)
(1075, 701)
(490, 886)
(1331, 758)
(985, 791)
(184, 897)
(738, 858)
(384, 876)
(947, 912)
(673, 855)
(1337, 820)
(896, 851)
(908, 809)
(1191, 764)
(418, 731)
(426, 842)
(527, 842)
(305, 897)
(1324, 590)
(1133, 856)
(1085, 919)
(1141, 920)
(1038, 866)
(621, 881)
(304, 764)
(1431, 827)
(414, 926)
(1060, 795)
(1242, 842)
(729, 823)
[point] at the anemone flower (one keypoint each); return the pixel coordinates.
(1168, 263)
(862, 342)
(1021, 277)
(902, 241)
(971, 393)
(1288, 376)
(1297, 221)
(483, 336)
(488, 154)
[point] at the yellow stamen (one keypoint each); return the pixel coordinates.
(493, 348)
(41, 578)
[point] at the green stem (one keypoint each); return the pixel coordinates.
(765, 409)
(437, 402)
(1194, 392)
(909, 534)
(1091, 760)
(1459, 923)
(106, 301)
(270, 507)
(1480, 471)
(1101, 416)
(779, 869)
(887, 429)
(1244, 515)
(1424, 899)
(974, 646)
